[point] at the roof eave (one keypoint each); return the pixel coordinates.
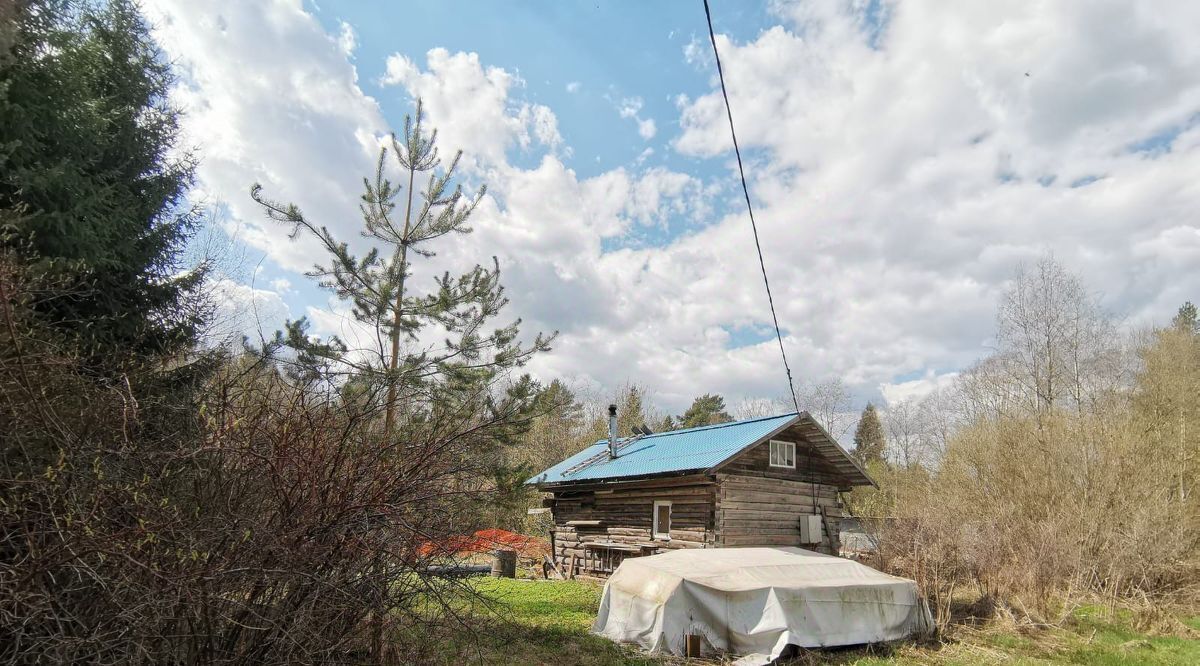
(849, 458)
(552, 485)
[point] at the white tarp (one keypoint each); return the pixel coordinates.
(756, 601)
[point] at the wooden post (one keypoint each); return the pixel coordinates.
(692, 642)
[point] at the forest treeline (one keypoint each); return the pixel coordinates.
(167, 499)
(1059, 469)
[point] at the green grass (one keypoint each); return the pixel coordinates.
(539, 622)
(548, 622)
(1090, 637)
(1113, 641)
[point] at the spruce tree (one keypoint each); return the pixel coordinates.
(868, 437)
(92, 192)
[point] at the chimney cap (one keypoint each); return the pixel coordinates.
(612, 410)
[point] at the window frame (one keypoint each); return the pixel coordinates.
(791, 453)
(654, 531)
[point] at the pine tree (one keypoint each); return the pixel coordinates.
(92, 192)
(630, 400)
(557, 398)
(869, 439)
(1186, 319)
(558, 429)
(708, 409)
(436, 378)
(450, 412)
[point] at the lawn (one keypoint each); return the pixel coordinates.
(538, 622)
(547, 622)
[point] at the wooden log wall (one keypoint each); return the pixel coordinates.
(810, 464)
(761, 511)
(623, 513)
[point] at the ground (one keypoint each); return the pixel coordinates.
(547, 622)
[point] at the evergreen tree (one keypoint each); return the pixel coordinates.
(869, 439)
(451, 413)
(91, 188)
(454, 377)
(557, 398)
(708, 409)
(1186, 319)
(558, 429)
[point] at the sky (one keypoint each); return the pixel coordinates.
(905, 158)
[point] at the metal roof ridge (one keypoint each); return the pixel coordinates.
(711, 426)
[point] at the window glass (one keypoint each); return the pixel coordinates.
(783, 454)
(662, 519)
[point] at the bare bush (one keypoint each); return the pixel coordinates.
(243, 517)
(1061, 470)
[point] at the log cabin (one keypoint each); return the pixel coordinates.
(761, 482)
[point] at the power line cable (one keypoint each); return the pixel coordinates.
(812, 480)
(746, 191)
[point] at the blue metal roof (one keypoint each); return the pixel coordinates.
(664, 452)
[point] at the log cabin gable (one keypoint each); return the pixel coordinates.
(809, 463)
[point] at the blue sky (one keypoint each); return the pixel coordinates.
(584, 60)
(611, 50)
(905, 161)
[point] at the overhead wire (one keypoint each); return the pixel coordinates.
(737, 151)
(749, 207)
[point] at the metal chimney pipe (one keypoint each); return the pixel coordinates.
(612, 431)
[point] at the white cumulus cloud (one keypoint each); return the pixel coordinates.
(899, 176)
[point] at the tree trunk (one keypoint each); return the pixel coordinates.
(390, 410)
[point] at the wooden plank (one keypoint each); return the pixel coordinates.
(762, 540)
(767, 507)
(601, 545)
(691, 479)
(751, 479)
(777, 498)
(729, 481)
(628, 530)
(681, 543)
(791, 521)
(740, 530)
(672, 491)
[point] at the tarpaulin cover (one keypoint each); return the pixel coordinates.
(756, 601)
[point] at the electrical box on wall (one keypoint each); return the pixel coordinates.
(810, 529)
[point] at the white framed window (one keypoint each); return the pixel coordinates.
(783, 454)
(662, 520)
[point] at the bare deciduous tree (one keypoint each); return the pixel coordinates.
(904, 443)
(829, 403)
(1055, 470)
(1055, 344)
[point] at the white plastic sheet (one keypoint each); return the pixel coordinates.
(756, 601)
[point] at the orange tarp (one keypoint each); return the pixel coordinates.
(488, 540)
